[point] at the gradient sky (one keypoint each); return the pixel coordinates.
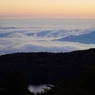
(48, 8)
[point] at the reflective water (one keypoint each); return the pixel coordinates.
(39, 88)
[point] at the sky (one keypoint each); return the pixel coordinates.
(48, 8)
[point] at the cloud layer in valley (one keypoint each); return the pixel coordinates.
(21, 39)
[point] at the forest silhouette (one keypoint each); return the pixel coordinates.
(72, 73)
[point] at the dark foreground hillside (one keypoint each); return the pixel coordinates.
(72, 73)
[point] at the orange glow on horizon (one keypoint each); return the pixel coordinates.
(48, 9)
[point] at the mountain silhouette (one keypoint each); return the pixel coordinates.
(83, 38)
(74, 70)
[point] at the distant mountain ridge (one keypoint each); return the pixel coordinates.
(83, 38)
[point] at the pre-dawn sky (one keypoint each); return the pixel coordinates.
(48, 8)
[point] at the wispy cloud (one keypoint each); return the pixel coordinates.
(43, 41)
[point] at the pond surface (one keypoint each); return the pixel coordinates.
(39, 88)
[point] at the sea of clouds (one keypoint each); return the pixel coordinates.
(24, 39)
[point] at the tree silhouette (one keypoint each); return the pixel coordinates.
(16, 85)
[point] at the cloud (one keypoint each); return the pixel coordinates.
(28, 45)
(19, 41)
